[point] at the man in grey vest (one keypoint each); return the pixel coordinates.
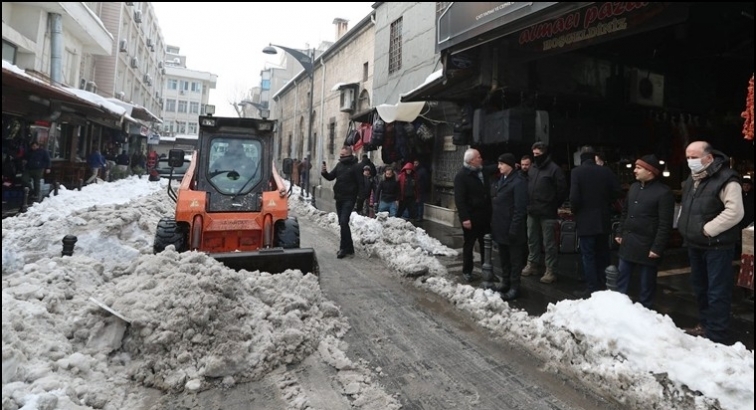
(712, 207)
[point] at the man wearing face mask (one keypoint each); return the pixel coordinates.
(712, 207)
(547, 190)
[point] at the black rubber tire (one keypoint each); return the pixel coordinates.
(287, 233)
(170, 232)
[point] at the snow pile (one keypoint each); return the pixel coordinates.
(619, 348)
(402, 246)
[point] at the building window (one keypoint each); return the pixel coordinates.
(332, 136)
(193, 107)
(265, 84)
(441, 6)
(170, 105)
(182, 106)
(184, 85)
(193, 128)
(9, 52)
(196, 87)
(181, 127)
(172, 84)
(395, 46)
(168, 126)
(365, 72)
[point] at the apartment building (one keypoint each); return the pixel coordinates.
(185, 94)
(133, 71)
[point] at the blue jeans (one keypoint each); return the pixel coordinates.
(344, 211)
(647, 278)
(594, 250)
(389, 207)
(711, 275)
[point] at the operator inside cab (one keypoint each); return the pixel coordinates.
(232, 168)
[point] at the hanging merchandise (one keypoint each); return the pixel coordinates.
(748, 113)
(352, 135)
(379, 130)
(424, 132)
(366, 136)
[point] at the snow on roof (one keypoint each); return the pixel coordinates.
(98, 100)
(431, 78)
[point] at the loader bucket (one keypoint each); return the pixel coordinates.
(273, 260)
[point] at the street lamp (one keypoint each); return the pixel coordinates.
(307, 59)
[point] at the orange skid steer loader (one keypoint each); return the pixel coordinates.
(232, 204)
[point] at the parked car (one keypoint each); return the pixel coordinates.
(164, 170)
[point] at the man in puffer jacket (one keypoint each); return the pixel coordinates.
(348, 177)
(712, 207)
(387, 192)
(38, 164)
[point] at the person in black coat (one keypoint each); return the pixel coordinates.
(593, 189)
(645, 227)
(472, 196)
(509, 224)
(547, 190)
(348, 177)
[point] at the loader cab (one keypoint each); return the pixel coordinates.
(234, 166)
(234, 162)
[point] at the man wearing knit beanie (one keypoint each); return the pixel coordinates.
(593, 189)
(645, 227)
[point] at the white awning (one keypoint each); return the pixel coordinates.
(402, 111)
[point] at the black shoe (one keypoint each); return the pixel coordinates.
(350, 252)
(582, 294)
(510, 295)
(341, 254)
(468, 277)
(502, 288)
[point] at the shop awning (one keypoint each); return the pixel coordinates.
(136, 111)
(35, 98)
(466, 24)
(401, 111)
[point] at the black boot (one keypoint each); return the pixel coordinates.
(511, 294)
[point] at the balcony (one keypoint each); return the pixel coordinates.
(81, 22)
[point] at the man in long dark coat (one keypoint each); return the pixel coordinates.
(472, 196)
(509, 224)
(593, 188)
(645, 227)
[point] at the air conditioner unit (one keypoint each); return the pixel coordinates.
(137, 16)
(182, 92)
(120, 95)
(134, 62)
(347, 99)
(162, 71)
(157, 94)
(91, 86)
(149, 42)
(646, 88)
(123, 46)
(160, 64)
(146, 78)
(149, 79)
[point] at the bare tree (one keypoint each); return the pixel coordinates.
(238, 94)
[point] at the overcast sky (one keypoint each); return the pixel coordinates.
(227, 38)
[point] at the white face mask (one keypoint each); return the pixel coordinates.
(695, 165)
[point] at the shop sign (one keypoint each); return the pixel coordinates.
(153, 139)
(594, 24)
(138, 129)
